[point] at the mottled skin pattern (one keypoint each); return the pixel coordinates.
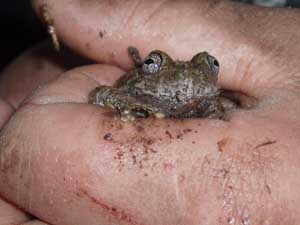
(165, 88)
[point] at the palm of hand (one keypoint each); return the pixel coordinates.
(159, 172)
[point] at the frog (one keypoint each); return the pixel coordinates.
(164, 88)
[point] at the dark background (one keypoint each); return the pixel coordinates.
(20, 28)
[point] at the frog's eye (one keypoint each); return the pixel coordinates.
(213, 63)
(204, 59)
(152, 64)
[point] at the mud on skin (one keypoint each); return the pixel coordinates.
(163, 87)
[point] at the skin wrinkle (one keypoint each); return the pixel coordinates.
(89, 76)
(132, 12)
(154, 12)
(233, 174)
(246, 75)
(292, 84)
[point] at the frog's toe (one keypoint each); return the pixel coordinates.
(99, 95)
(159, 115)
(92, 96)
(126, 116)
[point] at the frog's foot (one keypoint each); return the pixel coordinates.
(129, 107)
(126, 116)
(139, 110)
(215, 110)
(98, 95)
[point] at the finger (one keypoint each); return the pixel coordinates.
(5, 111)
(35, 67)
(252, 63)
(59, 159)
(9, 214)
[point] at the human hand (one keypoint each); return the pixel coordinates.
(245, 171)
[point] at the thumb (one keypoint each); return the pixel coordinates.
(254, 59)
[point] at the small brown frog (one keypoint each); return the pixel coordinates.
(164, 88)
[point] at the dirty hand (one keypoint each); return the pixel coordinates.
(68, 162)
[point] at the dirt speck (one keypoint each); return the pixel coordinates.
(268, 188)
(222, 144)
(108, 137)
(150, 141)
(140, 128)
(120, 154)
(169, 134)
(152, 150)
(141, 164)
(187, 131)
(101, 33)
(265, 144)
(134, 159)
(179, 136)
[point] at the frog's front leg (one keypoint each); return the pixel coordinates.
(129, 106)
(135, 55)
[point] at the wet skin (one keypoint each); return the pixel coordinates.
(166, 88)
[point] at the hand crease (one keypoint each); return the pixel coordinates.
(155, 11)
(132, 12)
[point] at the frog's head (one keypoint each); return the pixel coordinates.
(158, 61)
(162, 77)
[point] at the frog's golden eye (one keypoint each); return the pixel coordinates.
(152, 64)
